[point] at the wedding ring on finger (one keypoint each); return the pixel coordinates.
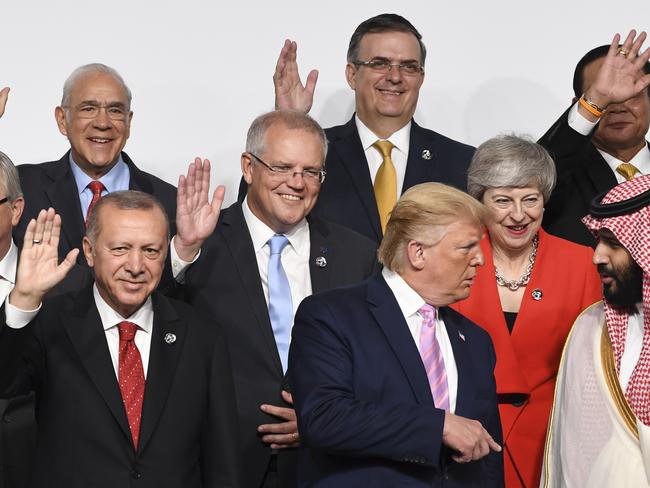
(37, 241)
(622, 51)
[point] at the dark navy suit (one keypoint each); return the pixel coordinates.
(365, 411)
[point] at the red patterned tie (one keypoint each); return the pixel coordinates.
(432, 358)
(97, 187)
(131, 377)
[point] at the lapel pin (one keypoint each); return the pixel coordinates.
(426, 154)
(537, 294)
(170, 338)
(461, 335)
(321, 262)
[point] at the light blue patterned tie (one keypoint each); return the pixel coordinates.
(280, 305)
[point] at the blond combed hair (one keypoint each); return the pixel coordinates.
(422, 214)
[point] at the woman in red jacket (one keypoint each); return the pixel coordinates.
(531, 289)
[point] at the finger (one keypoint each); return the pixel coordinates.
(281, 63)
(47, 227)
(281, 412)
(642, 59)
(285, 446)
(181, 192)
(493, 445)
(66, 265)
(636, 46)
(40, 225)
(280, 438)
(4, 95)
(28, 240)
(198, 182)
(310, 84)
(279, 428)
(613, 47)
(205, 181)
(217, 198)
(287, 397)
(627, 44)
(56, 231)
(190, 181)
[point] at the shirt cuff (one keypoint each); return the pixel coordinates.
(579, 123)
(179, 266)
(17, 318)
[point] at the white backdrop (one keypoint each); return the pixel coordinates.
(200, 71)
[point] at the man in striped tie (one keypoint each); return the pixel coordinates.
(391, 386)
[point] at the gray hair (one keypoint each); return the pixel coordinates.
(9, 175)
(256, 138)
(92, 68)
(511, 161)
(122, 200)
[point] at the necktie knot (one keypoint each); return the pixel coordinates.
(428, 313)
(384, 147)
(97, 187)
(277, 243)
(127, 330)
(627, 170)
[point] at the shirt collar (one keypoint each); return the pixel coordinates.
(110, 180)
(260, 233)
(8, 264)
(641, 160)
(143, 317)
(407, 298)
(399, 139)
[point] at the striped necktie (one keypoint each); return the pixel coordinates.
(432, 358)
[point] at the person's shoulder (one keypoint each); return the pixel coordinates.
(444, 141)
(465, 325)
(198, 320)
(563, 248)
(591, 320)
(341, 296)
(342, 234)
(33, 170)
(160, 186)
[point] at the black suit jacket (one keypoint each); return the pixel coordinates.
(225, 282)
(188, 421)
(347, 196)
(52, 184)
(365, 409)
(582, 175)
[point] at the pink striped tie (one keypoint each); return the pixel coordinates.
(432, 358)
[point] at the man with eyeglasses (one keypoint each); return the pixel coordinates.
(380, 152)
(265, 256)
(95, 115)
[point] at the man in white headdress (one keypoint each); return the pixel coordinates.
(599, 433)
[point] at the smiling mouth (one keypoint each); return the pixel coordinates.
(99, 140)
(392, 93)
(291, 198)
(517, 229)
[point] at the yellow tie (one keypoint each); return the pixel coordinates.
(627, 170)
(385, 183)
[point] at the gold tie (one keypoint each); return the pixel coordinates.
(385, 183)
(627, 170)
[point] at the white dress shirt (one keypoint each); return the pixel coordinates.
(143, 318)
(641, 160)
(8, 271)
(399, 154)
(409, 303)
(633, 345)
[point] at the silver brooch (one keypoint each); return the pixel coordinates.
(170, 338)
(537, 294)
(320, 261)
(426, 154)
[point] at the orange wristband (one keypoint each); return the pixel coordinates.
(591, 107)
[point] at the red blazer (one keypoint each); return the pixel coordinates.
(528, 360)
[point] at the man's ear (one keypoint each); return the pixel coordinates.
(17, 207)
(350, 73)
(88, 251)
(247, 167)
(415, 254)
(59, 115)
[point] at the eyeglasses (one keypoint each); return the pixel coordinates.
(382, 65)
(313, 175)
(91, 111)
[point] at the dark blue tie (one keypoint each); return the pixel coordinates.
(280, 305)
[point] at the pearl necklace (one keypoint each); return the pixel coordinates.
(525, 278)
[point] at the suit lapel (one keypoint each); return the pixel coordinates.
(84, 327)
(319, 247)
(238, 239)
(137, 180)
(419, 169)
(163, 360)
(59, 193)
(599, 172)
(463, 359)
(388, 315)
(348, 147)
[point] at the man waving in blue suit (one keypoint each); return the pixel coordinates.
(391, 386)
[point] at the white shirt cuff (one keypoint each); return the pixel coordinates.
(179, 266)
(579, 123)
(17, 318)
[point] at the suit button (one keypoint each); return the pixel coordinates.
(7, 419)
(135, 474)
(519, 403)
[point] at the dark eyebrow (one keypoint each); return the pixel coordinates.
(95, 103)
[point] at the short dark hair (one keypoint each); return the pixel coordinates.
(383, 23)
(591, 56)
(122, 200)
